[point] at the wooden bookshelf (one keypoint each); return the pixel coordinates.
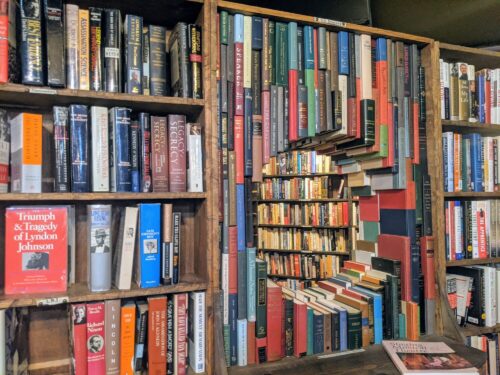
(312, 200)
(471, 330)
(471, 262)
(305, 252)
(69, 197)
(301, 226)
(293, 175)
(471, 195)
(466, 127)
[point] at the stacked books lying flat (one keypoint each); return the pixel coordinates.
(469, 95)
(473, 293)
(40, 247)
(487, 343)
(472, 229)
(96, 149)
(67, 46)
(163, 334)
(469, 162)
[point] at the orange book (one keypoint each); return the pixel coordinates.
(157, 336)
(251, 355)
(127, 339)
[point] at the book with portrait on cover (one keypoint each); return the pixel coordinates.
(412, 357)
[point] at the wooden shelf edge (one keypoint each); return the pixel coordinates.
(305, 252)
(303, 226)
(471, 195)
(474, 51)
(9, 197)
(79, 293)
(471, 330)
(470, 262)
(295, 175)
(312, 200)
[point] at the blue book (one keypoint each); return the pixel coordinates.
(476, 161)
(402, 326)
(240, 216)
(343, 327)
(242, 285)
(318, 332)
(233, 335)
(238, 28)
(135, 176)
(310, 331)
(248, 132)
(119, 160)
(148, 263)
(241, 330)
(381, 49)
(79, 141)
(398, 222)
(343, 46)
(251, 284)
(480, 97)
(292, 46)
(257, 33)
(308, 47)
(377, 313)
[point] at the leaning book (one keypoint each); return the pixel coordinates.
(412, 357)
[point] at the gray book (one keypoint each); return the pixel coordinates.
(281, 119)
(322, 48)
(357, 54)
(329, 107)
(274, 120)
(230, 49)
(99, 243)
(334, 60)
(286, 118)
(223, 77)
(242, 284)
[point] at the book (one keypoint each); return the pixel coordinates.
(79, 141)
(99, 242)
(180, 333)
(179, 61)
(4, 42)
(132, 33)
(194, 158)
(96, 348)
(196, 331)
(95, 45)
(112, 62)
(125, 248)
(147, 254)
(176, 246)
(72, 50)
(159, 154)
(83, 49)
(134, 139)
(177, 153)
(141, 329)
(32, 70)
(167, 251)
(145, 152)
(79, 338)
(157, 61)
(146, 63)
(61, 149)
(119, 129)
(417, 357)
(127, 337)
(36, 262)
(195, 59)
(100, 148)
(157, 335)
(112, 317)
(54, 43)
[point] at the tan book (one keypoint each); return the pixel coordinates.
(463, 91)
(166, 230)
(112, 311)
(83, 43)
(366, 67)
(125, 248)
(72, 50)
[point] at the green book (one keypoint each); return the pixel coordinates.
(223, 20)
(311, 99)
(292, 46)
(272, 52)
(402, 327)
(371, 230)
(310, 331)
(261, 280)
(322, 48)
(227, 352)
(281, 55)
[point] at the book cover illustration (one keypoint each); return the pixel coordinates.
(99, 238)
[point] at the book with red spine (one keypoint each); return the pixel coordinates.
(345, 213)
(401, 199)
(159, 154)
(257, 149)
(481, 233)
(4, 40)
(349, 264)
(239, 149)
(233, 260)
(177, 153)
(180, 333)
(427, 259)
(36, 260)
(274, 327)
(79, 338)
(369, 208)
(299, 328)
(266, 126)
(239, 97)
(157, 335)
(293, 127)
(251, 343)
(96, 350)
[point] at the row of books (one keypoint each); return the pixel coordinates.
(472, 229)
(62, 45)
(473, 293)
(487, 343)
(314, 187)
(469, 95)
(40, 247)
(297, 162)
(100, 150)
(309, 214)
(302, 239)
(304, 266)
(470, 162)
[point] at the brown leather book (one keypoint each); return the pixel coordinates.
(157, 336)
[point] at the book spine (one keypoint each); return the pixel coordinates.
(239, 100)
(176, 244)
(178, 47)
(124, 255)
(112, 51)
(261, 281)
(54, 43)
(180, 333)
(5, 151)
(148, 260)
(157, 61)
(72, 38)
(100, 148)
(96, 347)
(99, 240)
(135, 178)
(140, 336)
(251, 284)
(79, 338)
(146, 60)
(4, 41)
(133, 54)
(266, 126)
(292, 82)
(119, 130)
(127, 338)
(242, 285)
(248, 132)
(112, 332)
(145, 152)
(79, 141)
(177, 152)
(170, 336)
(61, 149)
(159, 154)
(157, 335)
(31, 42)
(196, 331)
(96, 83)
(195, 60)
(83, 50)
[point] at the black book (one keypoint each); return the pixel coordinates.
(176, 219)
(179, 62)
(141, 330)
(256, 81)
(195, 59)
(387, 265)
(367, 108)
(112, 51)
(133, 54)
(31, 42)
(79, 140)
(288, 327)
(96, 62)
(135, 178)
(158, 61)
(427, 206)
(351, 78)
(249, 229)
(61, 149)
(54, 43)
(476, 309)
(145, 152)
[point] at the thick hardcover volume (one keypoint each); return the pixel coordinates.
(145, 152)
(133, 54)
(302, 111)
(83, 50)
(112, 339)
(4, 40)
(112, 75)
(196, 331)
(261, 281)
(274, 322)
(166, 245)
(79, 141)
(54, 43)
(36, 263)
(72, 59)
(157, 61)
(119, 124)
(195, 158)
(61, 149)
(96, 347)
(4, 151)
(31, 42)
(427, 259)
(195, 59)
(177, 152)
(180, 333)
(79, 338)
(135, 178)
(100, 148)
(148, 255)
(170, 336)
(140, 335)
(157, 336)
(100, 242)
(179, 61)
(248, 132)
(127, 338)
(159, 154)
(146, 65)
(95, 68)
(125, 247)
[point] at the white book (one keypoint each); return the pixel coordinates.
(4, 150)
(458, 232)
(225, 288)
(497, 95)
(2, 343)
(241, 331)
(343, 94)
(441, 86)
(490, 295)
(366, 66)
(71, 245)
(492, 356)
(247, 52)
(196, 332)
(475, 239)
(471, 73)
(100, 148)
(125, 248)
(492, 96)
(72, 50)
(195, 158)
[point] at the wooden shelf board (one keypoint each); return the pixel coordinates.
(481, 58)
(466, 127)
(302, 226)
(301, 200)
(45, 98)
(66, 197)
(305, 252)
(471, 330)
(80, 293)
(472, 195)
(470, 262)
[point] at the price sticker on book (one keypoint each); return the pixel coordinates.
(52, 301)
(330, 22)
(42, 91)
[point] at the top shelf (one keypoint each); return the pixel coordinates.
(17, 95)
(466, 127)
(481, 58)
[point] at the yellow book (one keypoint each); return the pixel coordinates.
(247, 52)
(83, 43)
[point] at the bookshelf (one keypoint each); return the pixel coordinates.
(481, 58)
(199, 210)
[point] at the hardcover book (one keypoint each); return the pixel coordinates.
(4, 40)
(159, 154)
(4, 151)
(79, 338)
(100, 148)
(195, 59)
(31, 42)
(125, 248)
(95, 45)
(54, 43)
(195, 158)
(112, 310)
(133, 54)
(157, 335)
(127, 338)
(112, 51)
(196, 331)
(146, 63)
(119, 124)
(141, 329)
(99, 242)
(61, 149)
(180, 333)
(96, 348)
(134, 134)
(72, 59)
(147, 253)
(79, 141)
(157, 61)
(177, 153)
(145, 152)
(179, 61)
(83, 49)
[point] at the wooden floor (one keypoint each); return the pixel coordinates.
(372, 361)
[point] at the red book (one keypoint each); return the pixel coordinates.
(345, 213)
(292, 105)
(349, 264)
(381, 84)
(159, 154)
(233, 259)
(79, 333)
(266, 126)
(251, 344)
(296, 263)
(331, 287)
(416, 140)
(398, 248)
(180, 333)
(358, 107)
(217, 36)
(4, 37)
(427, 258)
(299, 328)
(274, 316)
(96, 351)
(481, 233)
(404, 199)
(369, 208)
(239, 98)
(261, 349)
(352, 114)
(157, 336)
(257, 149)
(36, 249)
(239, 149)
(177, 153)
